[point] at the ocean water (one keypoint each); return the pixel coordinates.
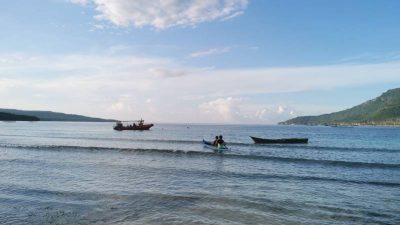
(87, 173)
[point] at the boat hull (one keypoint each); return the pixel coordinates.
(280, 141)
(142, 127)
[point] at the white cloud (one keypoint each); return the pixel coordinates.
(273, 114)
(162, 14)
(239, 110)
(162, 72)
(212, 51)
(118, 106)
(371, 57)
(222, 109)
(80, 2)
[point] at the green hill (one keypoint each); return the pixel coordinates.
(383, 110)
(13, 117)
(55, 116)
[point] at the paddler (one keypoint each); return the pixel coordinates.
(220, 142)
(215, 142)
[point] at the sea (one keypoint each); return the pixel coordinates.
(87, 173)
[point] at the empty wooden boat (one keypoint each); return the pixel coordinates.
(280, 141)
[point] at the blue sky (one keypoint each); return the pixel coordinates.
(224, 61)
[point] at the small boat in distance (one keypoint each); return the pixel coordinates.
(280, 141)
(139, 126)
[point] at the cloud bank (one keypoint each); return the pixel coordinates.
(231, 109)
(162, 14)
(132, 86)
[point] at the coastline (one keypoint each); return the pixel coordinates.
(344, 125)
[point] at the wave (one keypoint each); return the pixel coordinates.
(212, 154)
(247, 176)
(340, 149)
(233, 144)
(313, 178)
(260, 176)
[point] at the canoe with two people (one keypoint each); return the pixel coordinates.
(218, 144)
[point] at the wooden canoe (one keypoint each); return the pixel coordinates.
(280, 141)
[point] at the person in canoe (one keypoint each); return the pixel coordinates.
(220, 142)
(215, 142)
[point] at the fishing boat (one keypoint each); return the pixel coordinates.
(119, 126)
(280, 141)
(209, 145)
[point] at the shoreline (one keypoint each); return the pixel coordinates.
(344, 125)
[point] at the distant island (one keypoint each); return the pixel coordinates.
(383, 110)
(26, 115)
(13, 117)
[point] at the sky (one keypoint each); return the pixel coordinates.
(197, 61)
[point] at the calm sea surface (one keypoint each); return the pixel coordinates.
(81, 173)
